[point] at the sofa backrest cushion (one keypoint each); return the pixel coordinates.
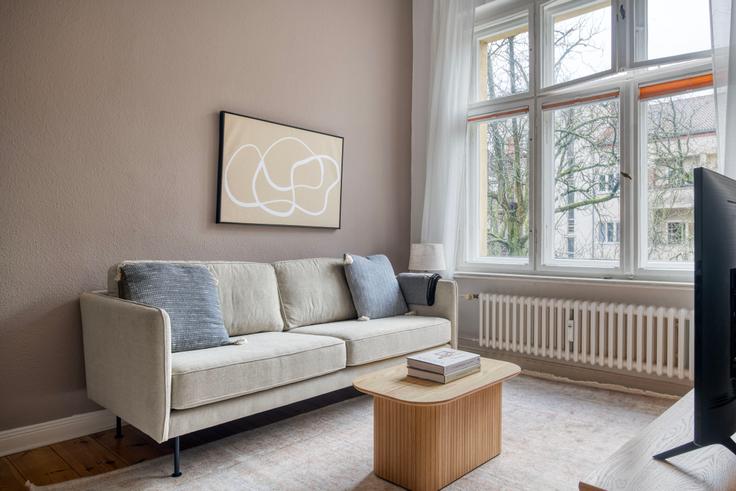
(188, 294)
(313, 291)
(248, 293)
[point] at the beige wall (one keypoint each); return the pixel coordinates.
(108, 150)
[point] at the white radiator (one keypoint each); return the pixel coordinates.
(649, 339)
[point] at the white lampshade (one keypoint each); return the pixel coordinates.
(427, 257)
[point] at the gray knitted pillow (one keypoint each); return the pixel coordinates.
(374, 287)
(188, 293)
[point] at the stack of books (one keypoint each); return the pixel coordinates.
(443, 365)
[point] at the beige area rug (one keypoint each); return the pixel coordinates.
(554, 434)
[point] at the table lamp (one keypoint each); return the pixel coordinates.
(427, 257)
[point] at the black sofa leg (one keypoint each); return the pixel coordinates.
(177, 472)
(118, 427)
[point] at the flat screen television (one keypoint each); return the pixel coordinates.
(715, 313)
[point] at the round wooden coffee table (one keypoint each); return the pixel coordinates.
(427, 434)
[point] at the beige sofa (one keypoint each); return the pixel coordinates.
(302, 335)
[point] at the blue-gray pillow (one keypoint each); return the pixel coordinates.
(374, 287)
(188, 293)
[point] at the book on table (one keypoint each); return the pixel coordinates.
(443, 379)
(444, 361)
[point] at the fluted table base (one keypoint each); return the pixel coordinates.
(427, 446)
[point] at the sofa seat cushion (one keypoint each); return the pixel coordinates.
(384, 338)
(268, 359)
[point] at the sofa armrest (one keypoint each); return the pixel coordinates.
(127, 354)
(445, 305)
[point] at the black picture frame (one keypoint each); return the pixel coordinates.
(220, 171)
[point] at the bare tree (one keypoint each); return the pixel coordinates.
(570, 38)
(586, 143)
(508, 196)
(586, 157)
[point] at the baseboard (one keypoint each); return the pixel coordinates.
(584, 373)
(58, 430)
(601, 385)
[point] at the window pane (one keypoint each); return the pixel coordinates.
(586, 213)
(680, 136)
(580, 41)
(675, 233)
(504, 204)
(674, 27)
(504, 63)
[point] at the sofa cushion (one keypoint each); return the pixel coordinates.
(384, 338)
(188, 295)
(313, 291)
(373, 286)
(248, 293)
(267, 360)
(249, 297)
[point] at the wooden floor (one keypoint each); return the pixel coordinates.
(101, 452)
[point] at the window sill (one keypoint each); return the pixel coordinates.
(636, 283)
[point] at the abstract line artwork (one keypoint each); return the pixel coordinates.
(274, 174)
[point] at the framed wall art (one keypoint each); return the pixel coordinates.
(276, 174)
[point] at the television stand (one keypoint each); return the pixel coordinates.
(632, 467)
(688, 447)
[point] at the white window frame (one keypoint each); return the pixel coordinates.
(547, 263)
(645, 268)
(470, 245)
(546, 11)
(626, 76)
(637, 9)
(469, 231)
(489, 29)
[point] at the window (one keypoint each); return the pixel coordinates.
(608, 232)
(586, 125)
(583, 146)
(503, 60)
(666, 28)
(577, 40)
(607, 183)
(503, 151)
(675, 233)
(680, 136)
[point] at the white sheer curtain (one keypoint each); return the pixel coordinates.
(723, 24)
(449, 93)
